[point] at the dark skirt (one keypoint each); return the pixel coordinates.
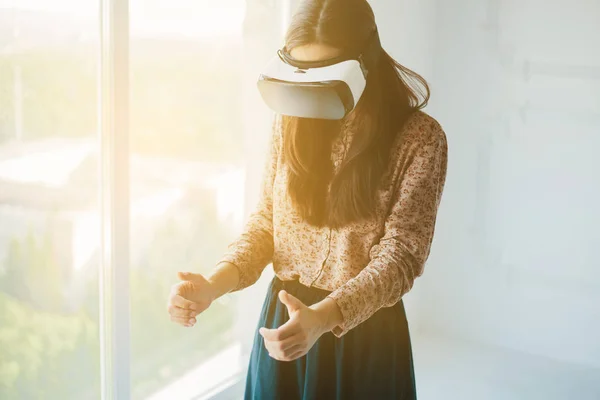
(371, 361)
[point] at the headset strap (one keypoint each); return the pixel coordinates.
(367, 58)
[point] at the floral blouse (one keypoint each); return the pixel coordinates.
(368, 264)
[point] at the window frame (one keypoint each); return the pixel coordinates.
(113, 89)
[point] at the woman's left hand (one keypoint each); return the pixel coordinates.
(306, 324)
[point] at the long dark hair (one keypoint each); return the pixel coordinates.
(392, 93)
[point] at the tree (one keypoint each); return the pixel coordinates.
(32, 273)
(46, 355)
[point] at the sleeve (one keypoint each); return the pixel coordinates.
(399, 256)
(252, 251)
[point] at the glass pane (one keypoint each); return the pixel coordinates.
(49, 344)
(187, 182)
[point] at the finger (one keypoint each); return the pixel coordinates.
(180, 302)
(272, 335)
(180, 312)
(286, 356)
(291, 302)
(188, 276)
(291, 351)
(273, 352)
(295, 355)
(286, 330)
(184, 321)
(286, 344)
(280, 349)
(289, 329)
(269, 346)
(269, 334)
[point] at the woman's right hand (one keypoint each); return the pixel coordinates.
(190, 297)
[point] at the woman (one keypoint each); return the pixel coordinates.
(346, 216)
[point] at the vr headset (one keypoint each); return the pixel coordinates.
(326, 89)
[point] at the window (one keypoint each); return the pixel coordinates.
(194, 162)
(49, 233)
(187, 180)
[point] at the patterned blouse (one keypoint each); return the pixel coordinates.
(366, 265)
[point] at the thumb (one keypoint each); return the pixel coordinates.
(190, 277)
(292, 303)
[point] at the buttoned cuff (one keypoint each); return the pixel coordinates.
(350, 304)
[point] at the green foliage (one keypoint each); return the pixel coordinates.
(33, 274)
(59, 93)
(47, 352)
(182, 105)
(43, 346)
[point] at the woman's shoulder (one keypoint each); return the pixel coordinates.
(421, 128)
(420, 134)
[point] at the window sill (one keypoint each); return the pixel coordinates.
(218, 378)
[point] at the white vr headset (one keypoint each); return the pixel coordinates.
(327, 89)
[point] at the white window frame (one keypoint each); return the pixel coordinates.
(114, 200)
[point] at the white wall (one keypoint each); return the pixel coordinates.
(516, 84)
(408, 31)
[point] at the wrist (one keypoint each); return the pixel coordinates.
(213, 290)
(223, 279)
(328, 314)
(216, 287)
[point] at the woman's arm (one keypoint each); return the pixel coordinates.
(223, 279)
(253, 250)
(399, 257)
